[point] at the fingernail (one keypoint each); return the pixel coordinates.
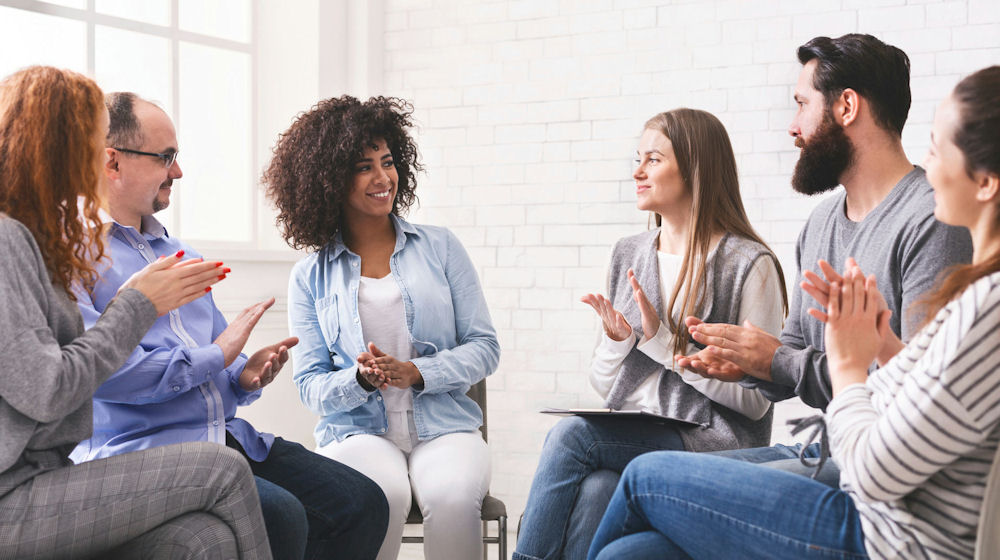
(222, 277)
(218, 264)
(227, 270)
(179, 254)
(208, 289)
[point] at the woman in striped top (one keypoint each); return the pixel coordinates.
(915, 440)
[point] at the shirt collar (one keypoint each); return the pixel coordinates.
(403, 230)
(151, 227)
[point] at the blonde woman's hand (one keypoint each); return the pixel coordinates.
(650, 318)
(615, 325)
(169, 282)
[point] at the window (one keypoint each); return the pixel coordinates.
(196, 59)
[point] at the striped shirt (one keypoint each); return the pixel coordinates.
(915, 443)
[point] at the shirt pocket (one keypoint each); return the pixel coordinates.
(328, 317)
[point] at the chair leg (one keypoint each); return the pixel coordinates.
(502, 526)
(486, 534)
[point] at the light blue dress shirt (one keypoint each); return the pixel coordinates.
(174, 387)
(446, 317)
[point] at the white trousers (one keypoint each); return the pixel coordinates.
(449, 475)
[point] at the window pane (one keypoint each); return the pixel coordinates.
(229, 19)
(214, 126)
(149, 11)
(28, 38)
(130, 61)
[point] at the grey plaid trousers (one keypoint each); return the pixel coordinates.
(192, 500)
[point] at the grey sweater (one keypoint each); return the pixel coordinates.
(50, 367)
(900, 242)
(727, 267)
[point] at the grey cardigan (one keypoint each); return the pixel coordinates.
(727, 268)
(50, 367)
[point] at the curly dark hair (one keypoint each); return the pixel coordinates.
(313, 165)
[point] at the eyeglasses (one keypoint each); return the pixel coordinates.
(168, 158)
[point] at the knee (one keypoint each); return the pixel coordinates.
(283, 513)
(568, 434)
(598, 487)
(191, 536)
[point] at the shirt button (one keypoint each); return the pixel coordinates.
(141, 246)
(215, 423)
(378, 397)
(176, 388)
(354, 264)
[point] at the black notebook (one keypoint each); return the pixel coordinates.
(611, 412)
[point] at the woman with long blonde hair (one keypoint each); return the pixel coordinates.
(703, 259)
(193, 499)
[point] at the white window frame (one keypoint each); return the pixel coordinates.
(174, 35)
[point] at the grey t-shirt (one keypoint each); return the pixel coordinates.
(900, 242)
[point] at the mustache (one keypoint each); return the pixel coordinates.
(167, 184)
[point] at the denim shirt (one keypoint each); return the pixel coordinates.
(174, 387)
(446, 317)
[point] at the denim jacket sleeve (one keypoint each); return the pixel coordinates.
(327, 381)
(477, 351)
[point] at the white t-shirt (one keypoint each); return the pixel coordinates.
(383, 321)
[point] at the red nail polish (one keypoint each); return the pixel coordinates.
(179, 254)
(218, 264)
(227, 270)
(222, 277)
(208, 289)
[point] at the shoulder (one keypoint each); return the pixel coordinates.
(742, 249)
(632, 244)
(17, 244)
(305, 265)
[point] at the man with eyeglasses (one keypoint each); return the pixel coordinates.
(187, 377)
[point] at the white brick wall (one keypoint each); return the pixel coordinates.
(529, 113)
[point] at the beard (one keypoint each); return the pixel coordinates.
(157, 203)
(823, 158)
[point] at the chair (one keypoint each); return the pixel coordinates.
(493, 509)
(988, 535)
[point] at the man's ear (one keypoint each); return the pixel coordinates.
(847, 107)
(111, 163)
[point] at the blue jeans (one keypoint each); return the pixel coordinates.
(695, 505)
(786, 458)
(346, 513)
(574, 449)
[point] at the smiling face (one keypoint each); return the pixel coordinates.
(374, 186)
(659, 186)
(954, 190)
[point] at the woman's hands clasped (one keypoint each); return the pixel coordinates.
(380, 370)
(169, 282)
(856, 326)
(819, 289)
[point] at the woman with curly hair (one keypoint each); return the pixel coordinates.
(393, 327)
(197, 499)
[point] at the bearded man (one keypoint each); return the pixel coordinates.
(853, 97)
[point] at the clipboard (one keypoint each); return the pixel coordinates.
(598, 412)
